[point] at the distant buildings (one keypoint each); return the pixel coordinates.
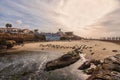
(11, 30)
(110, 38)
(16, 34)
(52, 37)
(15, 30)
(60, 36)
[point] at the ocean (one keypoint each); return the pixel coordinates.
(29, 65)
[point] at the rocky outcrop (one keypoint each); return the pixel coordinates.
(63, 61)
(67, 59)
(88, 64)
(108, 70)
(7, 44)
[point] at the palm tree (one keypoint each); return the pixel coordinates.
(36, 30)
(10, 25)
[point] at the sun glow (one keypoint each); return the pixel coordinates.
(77, 14)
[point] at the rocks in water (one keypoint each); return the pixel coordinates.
(63, 61)
(108, 70)
(114, 50)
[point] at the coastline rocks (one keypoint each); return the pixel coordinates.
(63, 61)
(88, 64)
(85, 65)
(108, 70)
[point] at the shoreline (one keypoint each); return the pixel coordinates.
(94, 49)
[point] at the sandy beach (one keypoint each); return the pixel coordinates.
(94, 49)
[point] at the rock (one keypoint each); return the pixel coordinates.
(73, 47)
(114, 51)
(63, 61)
(95, 44)
(92, 53)
(85, 65)
(89, 71)
(104, 48)
(90, 50)
(108, 70)
(66, 57)
(96, 62)
(90, 47)
(42, 48)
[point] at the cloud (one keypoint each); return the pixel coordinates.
(19, 22)
(109, 24)
(80, 16)
(26, 27)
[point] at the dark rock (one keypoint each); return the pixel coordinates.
(92, 53)
(66, 57)
(73, 47)
(90, 47)
(114, 50)
(96, 62)
(89, 71)
(108, 70)
(90, 50)
(63, 61)
(104, 48)
(85, 65)
(95, 44)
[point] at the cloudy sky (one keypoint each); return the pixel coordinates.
(87, 18)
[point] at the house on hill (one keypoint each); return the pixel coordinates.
(10, 30)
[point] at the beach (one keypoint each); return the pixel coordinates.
(94, 49)
(27, 61)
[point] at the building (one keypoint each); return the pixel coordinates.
(16, 34)
(26, 31)
(10, 30)
(60, 32)
(52, 36)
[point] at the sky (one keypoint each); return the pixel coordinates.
(86, 18)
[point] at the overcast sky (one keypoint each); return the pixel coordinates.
(87, 18)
